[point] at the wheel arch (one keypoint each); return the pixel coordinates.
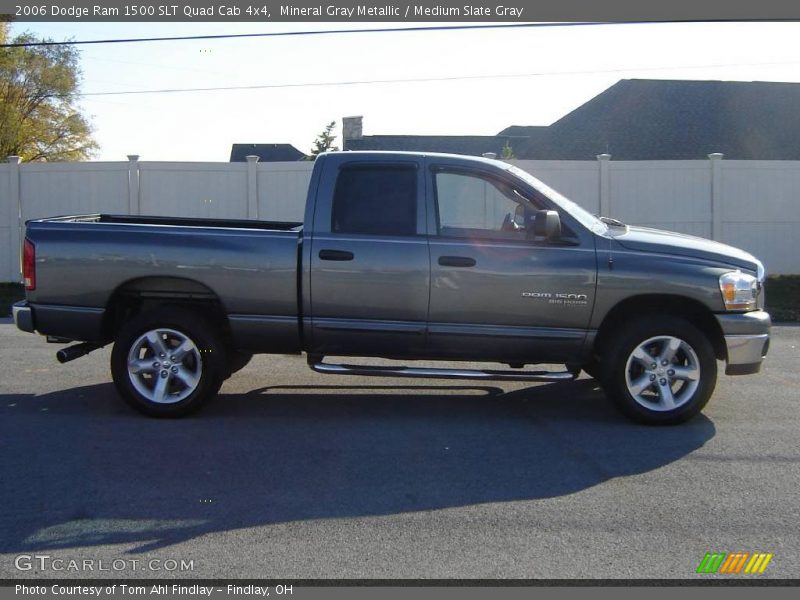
(659, 305)
(145, 293)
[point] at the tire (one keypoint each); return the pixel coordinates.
(593, 369)
(649, 390)
(172, 345)
(237, 360)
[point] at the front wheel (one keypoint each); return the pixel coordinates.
(594, 369)
(167, 362)
(660, 370)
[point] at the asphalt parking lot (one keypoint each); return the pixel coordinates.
(291, 474)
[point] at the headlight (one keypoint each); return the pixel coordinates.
(739, 290)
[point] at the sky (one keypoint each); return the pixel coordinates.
(512, 77)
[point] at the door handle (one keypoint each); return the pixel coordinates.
(457, 261)
(335, 255)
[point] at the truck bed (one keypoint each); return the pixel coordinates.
(180, 221)
(249, 267)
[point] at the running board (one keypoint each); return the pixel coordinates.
(426, 373)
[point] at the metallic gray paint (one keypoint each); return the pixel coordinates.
(387, 280)
(255, 333)
(251, 271)
(679, 244)
(504, 343)
(488, 298)
(479, 312)
(624, 274)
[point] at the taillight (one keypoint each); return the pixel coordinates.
(29, 265)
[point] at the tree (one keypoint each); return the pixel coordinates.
(39, 116)
(507, 153)
(324, 141)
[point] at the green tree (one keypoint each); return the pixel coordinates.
(39, 116)
(507, 153)
(324, 141)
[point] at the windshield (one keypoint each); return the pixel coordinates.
(582, 215)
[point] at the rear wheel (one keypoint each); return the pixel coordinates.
(237, 360)
(167, 362)
(660, 370)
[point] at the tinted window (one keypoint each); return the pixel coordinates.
(380, 200)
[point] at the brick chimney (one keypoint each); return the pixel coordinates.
(352, 129)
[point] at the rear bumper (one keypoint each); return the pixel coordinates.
(746, 341)
(23, 316)
(67, 322)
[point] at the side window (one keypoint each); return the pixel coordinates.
(380, 200)
(470, 206)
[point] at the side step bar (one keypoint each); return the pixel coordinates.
(486, 375)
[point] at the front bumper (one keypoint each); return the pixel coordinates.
(23, 316)
(746, 340)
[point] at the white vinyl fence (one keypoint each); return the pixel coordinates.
(750, 204)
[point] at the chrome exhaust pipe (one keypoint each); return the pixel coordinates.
(67, 354)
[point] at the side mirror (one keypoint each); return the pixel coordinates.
(546, 225)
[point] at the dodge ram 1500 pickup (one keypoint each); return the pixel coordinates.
(403, 256)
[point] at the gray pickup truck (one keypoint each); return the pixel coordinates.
(401, 256)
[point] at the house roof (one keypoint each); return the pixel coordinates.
(523, 130)
(646, 119)
(475, 145)
(634, 119)
(266, 152)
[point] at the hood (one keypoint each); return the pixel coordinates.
(644, 239)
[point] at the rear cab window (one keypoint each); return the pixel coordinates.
(376, 200)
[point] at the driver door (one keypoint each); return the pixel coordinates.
(494, 291)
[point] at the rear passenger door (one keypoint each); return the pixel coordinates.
(370, 266)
